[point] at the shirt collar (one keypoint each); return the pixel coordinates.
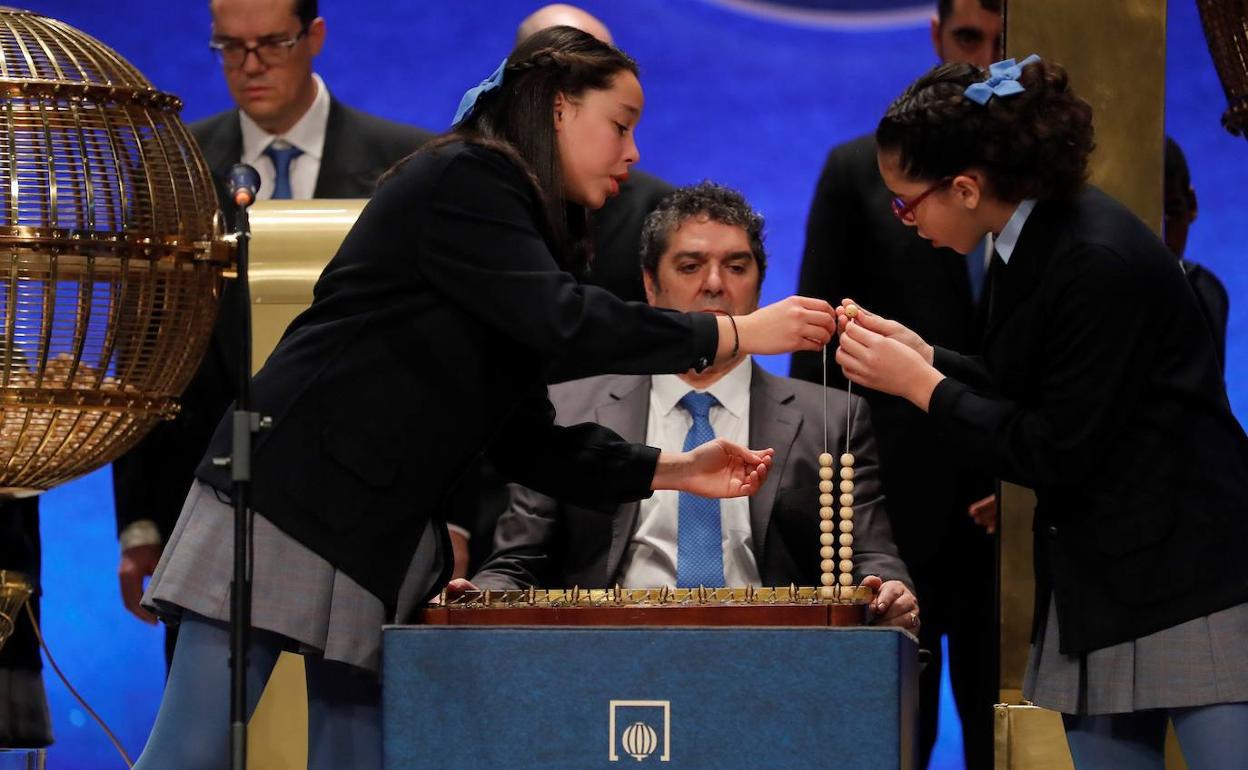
(1008, 239)
(732, 391)
(308, 134)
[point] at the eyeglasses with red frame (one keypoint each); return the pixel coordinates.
(905, 211)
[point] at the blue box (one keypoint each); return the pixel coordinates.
(473, 698)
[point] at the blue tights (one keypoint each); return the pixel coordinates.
(1211, 737)
(192, 726)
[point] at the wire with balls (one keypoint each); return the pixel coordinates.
(836, 564)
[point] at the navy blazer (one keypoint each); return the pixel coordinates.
(152, 479)
(428, 341)
(1099, 387)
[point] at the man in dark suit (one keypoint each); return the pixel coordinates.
(1180, 213)
(305, 144)
(475, 505)
(702, 250)
(855, 247)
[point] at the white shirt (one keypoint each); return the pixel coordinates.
(1008, 239)
(650, 558)
(308, 135)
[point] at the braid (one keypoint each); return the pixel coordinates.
(1034, 144)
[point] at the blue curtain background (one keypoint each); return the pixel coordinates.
(730, 96)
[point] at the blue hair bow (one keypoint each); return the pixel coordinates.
(469, 101)
(1002, 80)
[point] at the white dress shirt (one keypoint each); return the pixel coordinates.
(308, 135)
(650, 558)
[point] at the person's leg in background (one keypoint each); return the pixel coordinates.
(344, 716)
(1213, 737)
(1134, 740)
(193, 724)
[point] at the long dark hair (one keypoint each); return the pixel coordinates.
(1034, 144)
(517, 119)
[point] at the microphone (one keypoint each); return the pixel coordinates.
(243, 182)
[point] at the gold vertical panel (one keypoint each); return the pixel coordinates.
(1018, 586)
(1115, 52)
(291, 243)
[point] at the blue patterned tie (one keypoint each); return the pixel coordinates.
(281, 165)
(699, 539)
(975, 270)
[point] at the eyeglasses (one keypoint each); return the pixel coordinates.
(269, 51)
(905, 211)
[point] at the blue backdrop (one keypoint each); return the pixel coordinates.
(732, 95)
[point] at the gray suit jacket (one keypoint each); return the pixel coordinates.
(541, 542)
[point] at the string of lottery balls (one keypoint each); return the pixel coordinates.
(836, 538)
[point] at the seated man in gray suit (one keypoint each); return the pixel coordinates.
(702, 250)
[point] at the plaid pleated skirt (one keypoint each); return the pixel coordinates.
(295, 592)
(1197, 663)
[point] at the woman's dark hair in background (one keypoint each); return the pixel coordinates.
(1034, 144)
(517, 119)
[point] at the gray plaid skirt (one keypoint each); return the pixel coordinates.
(1196, 663)
(295, 592)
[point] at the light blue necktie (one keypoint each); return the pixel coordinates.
(975, 271)
(699, 539)
(281, 165)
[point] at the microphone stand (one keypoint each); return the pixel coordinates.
(246, 424)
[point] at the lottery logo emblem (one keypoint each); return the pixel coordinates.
(640, 728)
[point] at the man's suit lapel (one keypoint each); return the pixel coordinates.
(339, 177)
(624, 411)
(772, 424)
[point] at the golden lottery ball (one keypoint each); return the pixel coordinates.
(827, 592)
(826, 513)
(827, 526)
(847, 539)
(847, 473)
(825, 460)
(827, 565)
(847, 526)
(847, 579)
(827, 578)
(826, 486)
(847, 485)
(846, 499)
(847, 565)
(826, 474)
(847, 460)
(845, 552)
(826, 499)
(827, 552)
(851, 311)
(847, 512)
(827, 538)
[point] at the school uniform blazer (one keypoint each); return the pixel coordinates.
(428, 342)
(1099, 388)
(547, 543)
(152, 479)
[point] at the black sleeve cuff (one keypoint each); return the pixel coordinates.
(705, 341)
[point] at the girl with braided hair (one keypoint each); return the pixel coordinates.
(1099, 387)
(429, 342)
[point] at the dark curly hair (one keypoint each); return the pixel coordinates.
(1029, 145)
(706, 199)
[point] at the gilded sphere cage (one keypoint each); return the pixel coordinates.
(1226, 30)
(112, 253)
